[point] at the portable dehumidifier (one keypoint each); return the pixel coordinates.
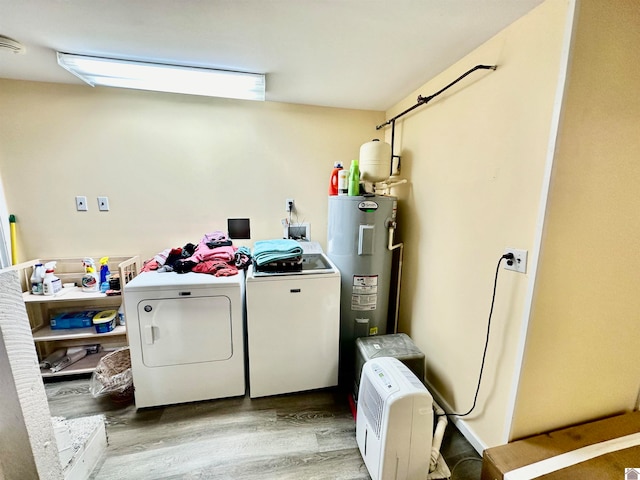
(394, 425)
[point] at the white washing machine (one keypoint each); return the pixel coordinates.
(186, 337)
(293, 328)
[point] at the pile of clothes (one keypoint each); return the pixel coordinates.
(214, 255)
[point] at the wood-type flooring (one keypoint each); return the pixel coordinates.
(303, 436)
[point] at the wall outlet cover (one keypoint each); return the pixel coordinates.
(519, 264)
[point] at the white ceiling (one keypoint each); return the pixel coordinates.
(364, 54)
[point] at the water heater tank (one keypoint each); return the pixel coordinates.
(375, 161)
(357, 240)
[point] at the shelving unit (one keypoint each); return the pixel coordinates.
(41, 308)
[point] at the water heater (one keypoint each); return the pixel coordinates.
(357, 242)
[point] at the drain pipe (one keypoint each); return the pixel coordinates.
(387, 185)
(441, 426)
(438, 435)
(391, 225)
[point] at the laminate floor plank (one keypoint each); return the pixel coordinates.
(125, 435)
(304, 436)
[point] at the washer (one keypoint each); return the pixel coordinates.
(186, 337)
(293, 328)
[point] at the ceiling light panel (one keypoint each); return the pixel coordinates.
(164, 78)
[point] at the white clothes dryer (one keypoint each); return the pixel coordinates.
(186, 337)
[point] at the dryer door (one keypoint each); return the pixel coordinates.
(175, 331)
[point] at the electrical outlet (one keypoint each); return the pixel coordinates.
(297, 231)
(289, 205)
(81, 203)
(519, 264)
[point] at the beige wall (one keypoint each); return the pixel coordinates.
(173, 166)
(581, 358)
(476, 159)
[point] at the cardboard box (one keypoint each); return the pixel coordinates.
(597, 450)
(73, 320)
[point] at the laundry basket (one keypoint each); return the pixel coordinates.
(113, 376)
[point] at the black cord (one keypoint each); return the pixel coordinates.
(507, 256)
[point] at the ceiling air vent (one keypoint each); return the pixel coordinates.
(10, 45)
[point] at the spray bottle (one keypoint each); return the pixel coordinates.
(105, 274)
(36, 279)
(90, 281)
(51, 284)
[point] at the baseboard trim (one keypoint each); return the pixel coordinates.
(464, 428)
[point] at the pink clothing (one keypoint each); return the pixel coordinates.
(202, 254)
(161, 257)
(216, 236)
(228, 271)
(150, 266)
(215, 267)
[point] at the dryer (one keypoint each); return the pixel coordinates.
(186, 337)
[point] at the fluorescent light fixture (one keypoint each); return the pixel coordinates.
(111, 72)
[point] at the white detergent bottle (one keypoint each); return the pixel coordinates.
(51, 284)
(36, 279)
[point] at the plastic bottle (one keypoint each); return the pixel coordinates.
(354, 179)
(343, 182)
(90, 279)
(333, 184)
(36, 279)
(121, 319)
(105, 274)
(51, 284)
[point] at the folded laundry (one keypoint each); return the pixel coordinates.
(202, 254)
(267, 251)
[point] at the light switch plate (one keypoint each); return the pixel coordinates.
(103, 204)
(81, 203)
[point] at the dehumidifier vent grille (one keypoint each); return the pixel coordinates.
(410, 376)
(372, 405)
